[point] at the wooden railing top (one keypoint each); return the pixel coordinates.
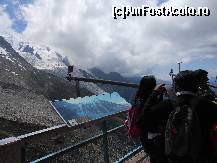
(103, 81)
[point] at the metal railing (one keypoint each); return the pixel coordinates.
(104, 136)
(24, 140)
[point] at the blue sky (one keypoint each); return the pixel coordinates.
(13, 11)
(135, 46)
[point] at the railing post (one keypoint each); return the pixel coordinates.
(105, 142)
(77, 88)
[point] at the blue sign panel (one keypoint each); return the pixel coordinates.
(80, 110)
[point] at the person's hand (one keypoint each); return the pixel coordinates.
(160, 88)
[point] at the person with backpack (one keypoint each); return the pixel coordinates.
(146, 86)
(208, 99)
(187, 133)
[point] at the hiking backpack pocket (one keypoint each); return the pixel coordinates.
(183, 133)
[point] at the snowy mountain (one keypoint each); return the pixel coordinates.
(46, 59)
(15, 70)
(40, 57)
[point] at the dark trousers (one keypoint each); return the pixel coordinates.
(154, 148)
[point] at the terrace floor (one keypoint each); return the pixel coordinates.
(139, 158)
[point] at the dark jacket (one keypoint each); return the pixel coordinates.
(154, 112)
(147, 122)
(207, 114)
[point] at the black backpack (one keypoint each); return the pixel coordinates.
(183, 133)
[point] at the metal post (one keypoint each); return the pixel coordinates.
(179, 63)
(179, 67)
(105, 142)
(77, 88)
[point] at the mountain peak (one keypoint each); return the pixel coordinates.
(40, 57)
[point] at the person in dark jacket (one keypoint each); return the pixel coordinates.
(146, 86)
(156, 112)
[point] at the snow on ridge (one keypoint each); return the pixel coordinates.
(2, 51)
(41, 57)
(6, 55)
(14, 73)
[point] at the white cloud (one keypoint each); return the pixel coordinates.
(86, 31)
(5, 21)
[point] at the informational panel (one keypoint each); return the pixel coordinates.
(80, 110)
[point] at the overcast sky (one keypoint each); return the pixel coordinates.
(85, 31)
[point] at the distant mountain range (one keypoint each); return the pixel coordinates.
(125, 92)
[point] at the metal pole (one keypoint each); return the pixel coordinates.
(105, 142)
(179, 67)
(179, 63)
(77, 88)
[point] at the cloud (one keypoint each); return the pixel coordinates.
(6, 22)
(86, 32)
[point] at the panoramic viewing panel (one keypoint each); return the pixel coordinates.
(88, 108)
